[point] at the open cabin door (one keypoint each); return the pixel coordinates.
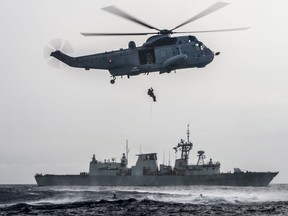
(146, 56)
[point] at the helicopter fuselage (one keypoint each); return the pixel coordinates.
(160, 53)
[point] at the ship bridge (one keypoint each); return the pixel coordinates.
(146, 164)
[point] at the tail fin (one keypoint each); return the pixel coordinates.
(64, 58)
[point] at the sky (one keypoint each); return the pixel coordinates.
(52, 120)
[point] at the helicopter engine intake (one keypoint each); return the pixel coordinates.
(131, 45)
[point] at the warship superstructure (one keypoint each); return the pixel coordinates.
(147, 173)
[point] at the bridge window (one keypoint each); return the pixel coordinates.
(153, 157)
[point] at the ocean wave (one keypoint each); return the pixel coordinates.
(200, 200)
(146, 206)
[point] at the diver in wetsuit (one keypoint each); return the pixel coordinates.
(151, 94)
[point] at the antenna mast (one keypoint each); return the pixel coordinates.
(169, 158)
(127, 150)
(188, 134)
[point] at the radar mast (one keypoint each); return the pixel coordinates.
(185, 147)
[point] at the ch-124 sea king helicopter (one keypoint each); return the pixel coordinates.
(160, 53)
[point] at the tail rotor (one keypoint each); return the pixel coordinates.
(56, 44)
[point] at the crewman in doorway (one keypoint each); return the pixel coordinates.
(149, 58)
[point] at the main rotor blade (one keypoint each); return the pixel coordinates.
(115, 34)
(216, 30)
(116, 11)
(211, 9)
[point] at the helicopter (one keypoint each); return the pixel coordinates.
(160, 53)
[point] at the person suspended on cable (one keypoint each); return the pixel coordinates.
(151, 94)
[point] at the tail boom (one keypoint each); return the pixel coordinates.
(71, 61)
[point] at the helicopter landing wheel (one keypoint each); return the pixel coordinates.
(113, 80)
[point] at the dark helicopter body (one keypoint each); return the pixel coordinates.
(159, 53)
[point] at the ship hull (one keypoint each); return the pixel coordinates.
(223, 179)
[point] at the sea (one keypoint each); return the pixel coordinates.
(178, 200)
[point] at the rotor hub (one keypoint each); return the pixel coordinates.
(165, 32)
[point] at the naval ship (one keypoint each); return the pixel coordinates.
(147, 173)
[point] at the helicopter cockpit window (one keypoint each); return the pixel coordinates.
(199, 46)
(202, 46)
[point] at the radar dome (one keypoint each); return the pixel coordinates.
(200, 152)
